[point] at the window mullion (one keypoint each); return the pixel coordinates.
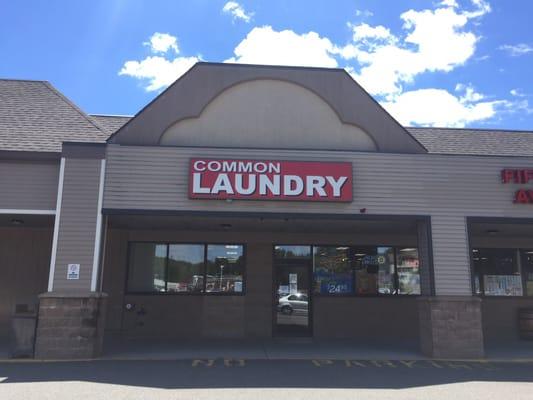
(205, 270)
(518, 256)
(396, 277)
(166, 268)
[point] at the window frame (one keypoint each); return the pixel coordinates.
(203, 292)
(354, 293)
(518, 258)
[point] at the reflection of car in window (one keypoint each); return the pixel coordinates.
(293, 303)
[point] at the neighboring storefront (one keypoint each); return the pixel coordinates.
(259, 202)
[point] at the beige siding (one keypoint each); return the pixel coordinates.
(447, 188)
(28, 185)
(451, 255)
(77, 226)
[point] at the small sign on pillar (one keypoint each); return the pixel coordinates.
(73, 271)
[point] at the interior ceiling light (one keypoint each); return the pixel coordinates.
(492, 231)
(16, 221)
(226, 226)
(408, 249)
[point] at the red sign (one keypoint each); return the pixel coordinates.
(270, 180)
(519, 176)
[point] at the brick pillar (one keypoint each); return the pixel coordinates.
(450, 327)
(70, 326)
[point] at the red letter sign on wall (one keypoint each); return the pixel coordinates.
(270, 180)
(519, 176)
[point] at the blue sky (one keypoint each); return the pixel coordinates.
(429, 62)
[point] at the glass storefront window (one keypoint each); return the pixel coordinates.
(292, 252)
(185, 268)
(386, 272)
(365, 270)
(225, 268)
(527, 271)
(374, 270)
(496, 272)
(366, 264)
(408, 271)
(332, 270)
(147, 269)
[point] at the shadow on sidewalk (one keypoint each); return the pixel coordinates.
(220, 373)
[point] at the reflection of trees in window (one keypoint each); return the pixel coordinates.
(332, 272)
(292, 252)
(365, 270)
(225, 268)
(185, 265)
(157, 267)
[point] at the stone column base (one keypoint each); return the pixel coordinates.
(450, 327)
(70, 326)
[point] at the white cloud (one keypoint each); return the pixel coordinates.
(516, 50)
(449, 3)
(158, 71)
(162, 43)
(237, 11)
(264, 45)
(469, 93)
(517, 93)
(385, 63)
(438, 107)
(379, 33)
(433, 40)
(363, 13)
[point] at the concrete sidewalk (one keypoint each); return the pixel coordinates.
(282, 349)
(288, 349)
(285, 349)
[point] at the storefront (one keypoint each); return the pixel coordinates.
(260, 202)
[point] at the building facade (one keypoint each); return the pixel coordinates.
(259, 202)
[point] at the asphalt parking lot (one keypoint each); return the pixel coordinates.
(268, 379)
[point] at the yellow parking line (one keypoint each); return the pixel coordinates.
(228, 362)
(203, 363)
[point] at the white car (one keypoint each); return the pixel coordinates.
(293, 303)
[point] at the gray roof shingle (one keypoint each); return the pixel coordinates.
(475, 141)
(435, 140)
(34, 116)
(111, 123)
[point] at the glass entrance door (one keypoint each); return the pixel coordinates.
(292, 286)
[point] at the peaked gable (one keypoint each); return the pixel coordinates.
(327, 109)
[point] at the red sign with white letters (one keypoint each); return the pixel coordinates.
(270, 180)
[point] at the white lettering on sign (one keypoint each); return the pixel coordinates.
(197, 184)
(292, 185)
(336, 184)
(270, 180)
(237, 166)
